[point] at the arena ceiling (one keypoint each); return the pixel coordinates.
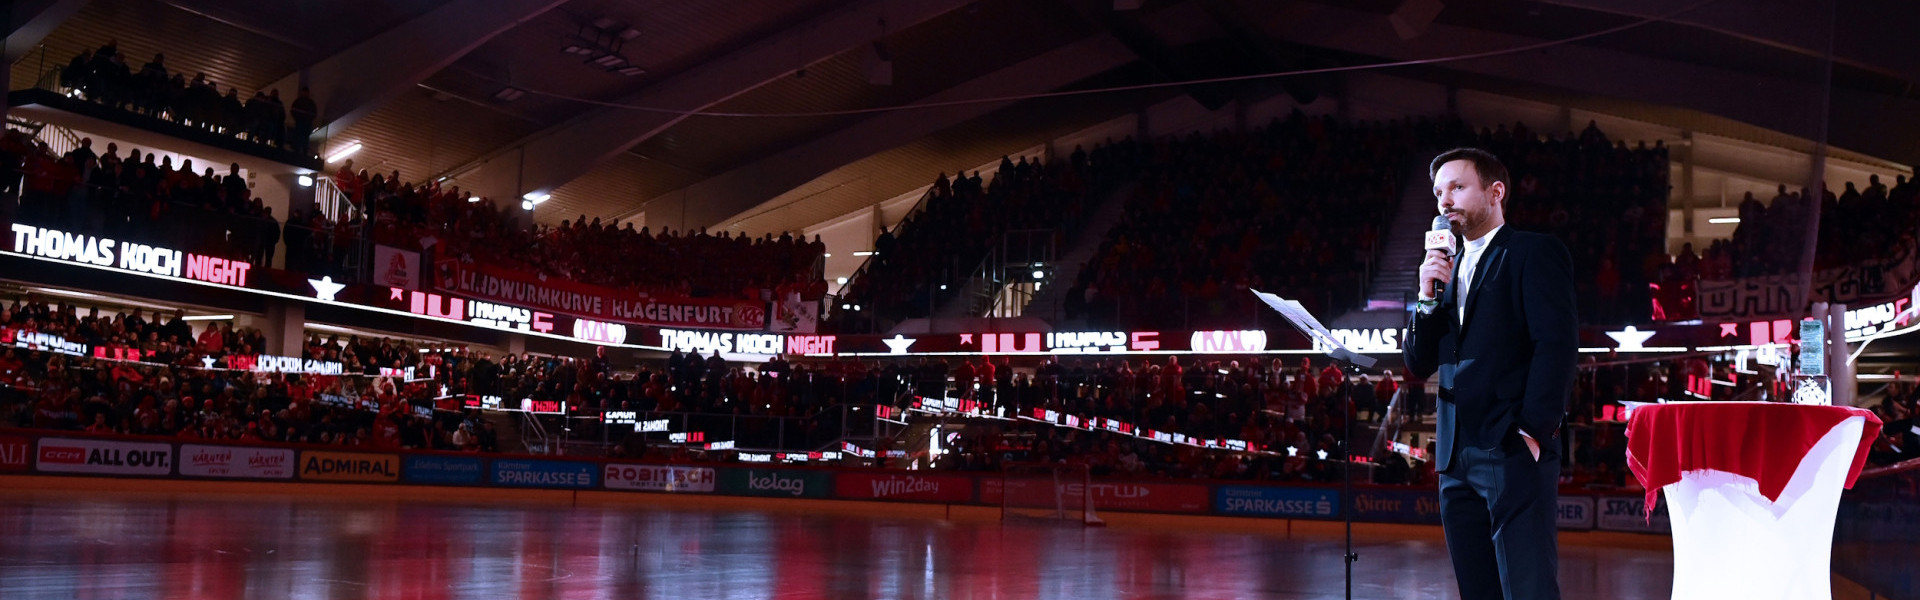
(418, 82)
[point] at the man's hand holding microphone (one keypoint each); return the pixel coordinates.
(1437, 272)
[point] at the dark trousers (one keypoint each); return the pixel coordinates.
(1499, 507)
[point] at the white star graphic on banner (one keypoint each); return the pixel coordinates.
(324, 288)
(1630, 339)
(898, 343)
(207, 360)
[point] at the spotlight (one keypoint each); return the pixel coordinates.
(509, 94)
(526, 204)
(344, 152)
(846, 307)
(305, 180)
(1039, 274)
(842, 280)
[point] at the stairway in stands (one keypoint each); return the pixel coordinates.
(1399, 267)
(1048, 302)
(506, 426)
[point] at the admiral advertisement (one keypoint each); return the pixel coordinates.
(546, 474)
(659, 478)
(1292, 503)
(104, 457)
(233, 461)
(594, 302)
(951, 489)
(1387, 505)
(14, 453)
(349, 466)
(1629, 513)
(776, 483)
(442, 470)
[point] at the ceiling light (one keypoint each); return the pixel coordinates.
(576, 49)
(629, 33)
(208, 318)
(842, 280)
(474, 199)
(604, 23)
(1039, 274)
(509, 94)
(344, 152)
(1724, 220)
(630, 71)
(305, 180)
(526, 205)
(610, 60)
(536, 197)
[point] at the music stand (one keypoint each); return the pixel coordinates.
(1353, 363)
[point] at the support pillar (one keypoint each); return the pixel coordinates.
(285, 328)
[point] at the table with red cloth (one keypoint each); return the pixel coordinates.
(1752, 490)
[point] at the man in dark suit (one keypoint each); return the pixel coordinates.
(1502, 336)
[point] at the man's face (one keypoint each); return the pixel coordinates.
(1471, 206)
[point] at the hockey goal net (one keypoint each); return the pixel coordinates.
(1047, 492)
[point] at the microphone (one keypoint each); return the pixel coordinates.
(1441, 238)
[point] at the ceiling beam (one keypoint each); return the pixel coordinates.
(1872, 27)
(29, 21)
(741, 192)
(351, 84)
(1877, 125)
(546, 160)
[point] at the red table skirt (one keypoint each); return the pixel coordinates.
(1761, 440)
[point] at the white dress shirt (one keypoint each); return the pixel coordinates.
(1470, 260)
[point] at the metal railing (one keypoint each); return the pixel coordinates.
(331, 201)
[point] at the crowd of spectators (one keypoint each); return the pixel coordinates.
(455, 224)
(1295, 207)
(1298, 207)
(1856, 226)
(104, 76)
(136, 196)
(171, 391)
(926, 259)
(181, 387)
(1607, 201)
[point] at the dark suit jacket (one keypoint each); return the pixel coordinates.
(1510, 365)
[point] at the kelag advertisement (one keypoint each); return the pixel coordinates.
(780, 484)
